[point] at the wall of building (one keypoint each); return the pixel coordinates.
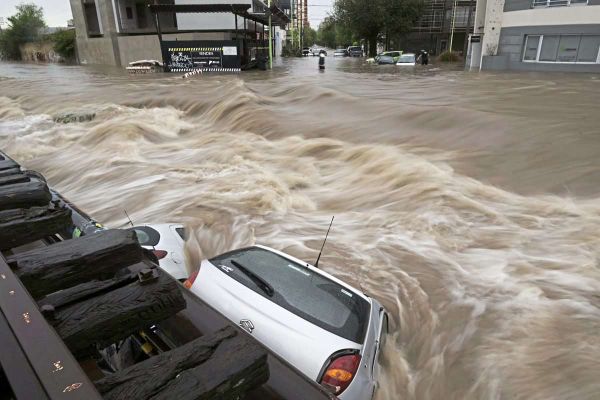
(102, 49)
(146, 47)
(512, 39)
(573, 15)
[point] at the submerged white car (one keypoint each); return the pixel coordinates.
(407, 59)
(166, 242)
(330, 331)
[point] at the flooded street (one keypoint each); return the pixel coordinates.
(468, 204)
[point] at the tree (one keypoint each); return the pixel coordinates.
(23, 27)
(400, 16)
(363, 17)
(326, 33)
(310, 36)
(371, 19)
(64, 43)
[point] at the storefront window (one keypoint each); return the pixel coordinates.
(562, 48)
(531, 48)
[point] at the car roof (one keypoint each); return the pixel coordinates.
(408, 54)
(316, 270)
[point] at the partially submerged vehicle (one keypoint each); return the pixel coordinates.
(340, 53)
(407, 59)
(355, 51)
(144, 67)
(330, 331)
(166, 242)
(394, 54)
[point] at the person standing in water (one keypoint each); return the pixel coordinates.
(322, 59)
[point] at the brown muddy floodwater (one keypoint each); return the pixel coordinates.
(467, 203)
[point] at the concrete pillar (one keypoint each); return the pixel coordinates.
(488, 23)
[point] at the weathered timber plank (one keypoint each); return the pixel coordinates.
(8, 164)
(93, 288)
(66, 264)
(114, 315)
(21, 226)
(10, 171)
(15, 178)
(223, 365)
(24, 195)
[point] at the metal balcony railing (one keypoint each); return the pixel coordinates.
(558, 3)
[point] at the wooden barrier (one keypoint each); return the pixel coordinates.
(97, 290)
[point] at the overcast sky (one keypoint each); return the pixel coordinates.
(57, 12)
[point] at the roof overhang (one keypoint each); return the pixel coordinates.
(199, 8)
(278, 17)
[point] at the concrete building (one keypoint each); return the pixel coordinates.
(536, 35)
(439, 20)
(116, 32)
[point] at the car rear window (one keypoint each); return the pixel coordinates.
(301, 291)
(182, 233)
(146, 236)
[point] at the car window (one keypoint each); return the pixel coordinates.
(301, 291)
(407, 59)
(146, 236)
(181, 232)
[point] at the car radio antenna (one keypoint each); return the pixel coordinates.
(129, 219)
(323, 245)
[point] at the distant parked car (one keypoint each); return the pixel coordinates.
(355, 51)
(315, 51)
(340, 53)
(330, 331)
(306, 51)
(166, 242)
(407, 59)
(394, 54)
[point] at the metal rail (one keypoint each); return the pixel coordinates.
(35, 360)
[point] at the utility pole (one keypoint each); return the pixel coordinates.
(292, 21)
(270, 38)
(453, 22)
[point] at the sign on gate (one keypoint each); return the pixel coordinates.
(190, 55)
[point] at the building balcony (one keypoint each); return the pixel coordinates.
(558, 3)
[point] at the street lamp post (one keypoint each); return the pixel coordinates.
(270, 38)
(453, 23)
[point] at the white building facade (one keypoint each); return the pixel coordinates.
(536, 35)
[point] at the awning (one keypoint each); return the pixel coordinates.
(278, 17)
(199, 8)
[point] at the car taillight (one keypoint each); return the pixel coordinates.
(339, 373)
(190, 281)
(160, 254)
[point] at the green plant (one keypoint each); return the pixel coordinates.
(64, 43)
(23, 27)
(289, 51)
(449, 56)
